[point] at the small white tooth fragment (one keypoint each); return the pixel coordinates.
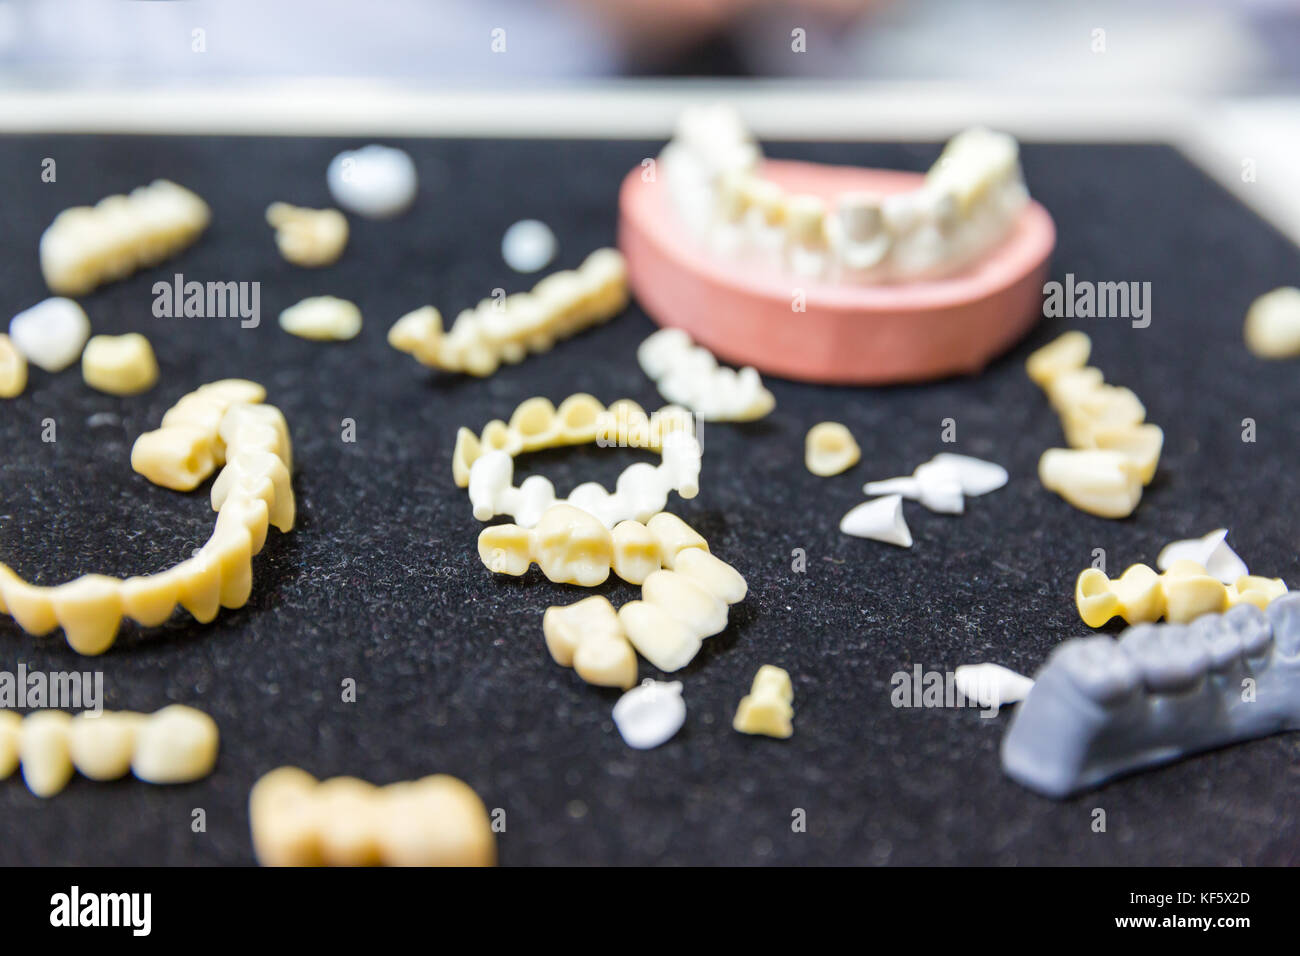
(119, 364)
(51, 334)
(880, 520)
(528, 246)
(308, 237)
(649, 715)
(1104, 483)
(177, 744)
(13, 369)
(375, 181)
(1273, 324)
(992, 685)
(975, 475)
(767, 708)
(10, 735)
(43, 751)
(830, 449)
(322, 318)
(1211, 552)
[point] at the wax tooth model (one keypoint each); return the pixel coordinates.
(572, 547)
(991, 685)
(177, 744)
(687, 374)
(680, 606)
(880, 519)
(943, 483)
(13, 369)
(119, 364)
(1273, 324)
(308, 237)
(651, 714)
(87, 246)
(219, 423)
(1100, 708)
(767, 709)
(506, 330)
(51, 334)
(640, 491)
(1113, 451)
(1182, 593)
(297, 820)
(378, 182)
(829, 449)
(322, 318)
(967, 204)
(1212, 552)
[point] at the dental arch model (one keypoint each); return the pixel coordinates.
(1100, 708)
(177, 744)
(506, 330)
(220, 423)
(87, 246)
(485, 464)
(835, 274)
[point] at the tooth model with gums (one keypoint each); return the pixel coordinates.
(1100, 708)
(835, 273)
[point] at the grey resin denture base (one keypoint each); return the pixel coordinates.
(1100, 707)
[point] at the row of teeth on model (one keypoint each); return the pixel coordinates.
(1113, 450)
(177, 744)
(505, 330)
(1184, 592)
(86, 246)
(971, 197)
(1173, 658)
(220, 423)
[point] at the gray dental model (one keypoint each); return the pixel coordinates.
(1100, 708)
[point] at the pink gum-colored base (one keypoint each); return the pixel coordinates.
(853, 334)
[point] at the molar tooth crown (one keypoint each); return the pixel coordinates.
(205, 428)
(297, 820)
(588, 637)
(1181, 594)
(688, 374)
(560, 305)
(1114, 452)
(767, 709)
(174, 745)
(1191, 697)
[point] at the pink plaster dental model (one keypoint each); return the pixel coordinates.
(835, 273)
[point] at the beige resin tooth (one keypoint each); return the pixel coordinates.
(714, 574)
(90, 612)
(1105, 483)
(662, 639)
(572, 546)
(246, 511)
(578, 415)
(150, 599)
(466, 453)
(13, 369)
(177, 744)
(505, 549)
(244, 423)
(285, 818)
(829, 449)
(10, 734)
(249, 469)
(322, 318)
(1064, 353)
(28, 604)
(1141, 444)
(1273, 324)
(588, 637)
(418, 334)
(534, 422)
(636, 552)
(348, 822)
(767, 709)
(119, 364)
(687, 600)
(178, 457)
(234, 391)
(101, 745)
(674, 535)
(497, 436)
(43, 751)
(200, 586)
(308, 237)
(232, 547)
(435, 821)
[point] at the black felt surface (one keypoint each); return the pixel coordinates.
(380, 582)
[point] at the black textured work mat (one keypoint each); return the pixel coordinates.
(380, 582)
